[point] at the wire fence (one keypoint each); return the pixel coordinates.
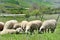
(20, 17)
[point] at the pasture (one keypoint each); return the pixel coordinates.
(36, 36)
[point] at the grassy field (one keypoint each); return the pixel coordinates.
(36, 36)
(18, 18)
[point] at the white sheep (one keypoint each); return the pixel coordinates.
(1, 26)
(33, 25)
(9, 24)
(11, 31)
(48, 24)
(21, 25)
(8, 31)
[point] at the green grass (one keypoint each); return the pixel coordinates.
(7, 18)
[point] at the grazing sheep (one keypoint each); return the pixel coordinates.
(8, 31)
(11, 31)
(23, 25)
(1, 26)
(33, 25)
(48, 24)
(9, 24)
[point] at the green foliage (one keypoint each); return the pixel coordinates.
(17, 4)
(9, 1)
(35, 12)
(26, 3)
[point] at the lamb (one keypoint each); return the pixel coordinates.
(33, 25)
(9, 24)
(11, 31)
(8, 31)
(1, 26)
(48, 24)
(8, 27)
(21, 25)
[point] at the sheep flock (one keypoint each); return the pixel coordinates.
(13, 26)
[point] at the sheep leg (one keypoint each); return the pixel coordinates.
(52, 30)
(31, 31)
(45, 31)
(48, 30)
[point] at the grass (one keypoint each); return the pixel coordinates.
(36, 36)
(18, 18)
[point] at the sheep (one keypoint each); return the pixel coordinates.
(8, 31)
(9, 24)
(21, 25)
(48, 24)
(8, 27)
(33, 25)
(11, 31)
(1, 26)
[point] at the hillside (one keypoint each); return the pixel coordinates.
(14, 6)
(25, 3)
(56, 3)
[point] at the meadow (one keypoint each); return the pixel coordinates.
(16, 6)
(36, 36)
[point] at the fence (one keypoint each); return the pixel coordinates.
(20, 17)
(12, 14)
(6, 17)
